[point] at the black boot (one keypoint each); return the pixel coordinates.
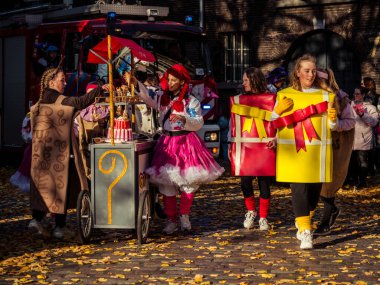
(323, 229)
(324, 226)
(334, 215)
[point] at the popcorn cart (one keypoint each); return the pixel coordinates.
(120, 196)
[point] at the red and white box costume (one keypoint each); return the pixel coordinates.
(251, 130)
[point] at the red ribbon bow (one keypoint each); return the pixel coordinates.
(301, 118)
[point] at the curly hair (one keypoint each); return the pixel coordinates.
(256, 79)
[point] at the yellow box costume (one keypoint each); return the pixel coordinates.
(304, 149)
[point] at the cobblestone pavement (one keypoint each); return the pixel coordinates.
(218, 250)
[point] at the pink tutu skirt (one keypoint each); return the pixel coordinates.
(21, 178)
(182, 160)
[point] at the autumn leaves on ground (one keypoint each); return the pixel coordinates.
(218, 251)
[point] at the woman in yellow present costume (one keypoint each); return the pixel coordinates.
(303, 114)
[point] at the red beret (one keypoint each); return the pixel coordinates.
(178, 71)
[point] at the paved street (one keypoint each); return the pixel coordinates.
(219, 250)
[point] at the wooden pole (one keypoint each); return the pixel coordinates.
(133, 93)
(132, 73)
(110, 81)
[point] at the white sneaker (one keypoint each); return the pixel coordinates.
(263, 223)
(306, 239)
(298, 231)
(36, 226)
(249, 219)
(185, 222)
(170, 228)
(58, 233)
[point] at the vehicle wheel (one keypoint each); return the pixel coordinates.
(144, 216)
(84, 216)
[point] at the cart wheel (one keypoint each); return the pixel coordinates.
(144, 216)
(84, 216)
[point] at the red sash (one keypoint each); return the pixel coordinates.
(301, 118)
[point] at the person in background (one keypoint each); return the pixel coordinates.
(51, 58)
(181, 161)
(342, 123)
(56, 170)
(21, 178)
(151, 83)
(277, 79)
(366, 118)
(371, 96)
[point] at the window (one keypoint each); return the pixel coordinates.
(237, 56)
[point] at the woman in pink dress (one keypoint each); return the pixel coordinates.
(21, 178)
(181, 161)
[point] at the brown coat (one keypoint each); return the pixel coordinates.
(51, 172)
(342, 141)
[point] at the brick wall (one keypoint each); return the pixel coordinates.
(275, 25)
(274, 29)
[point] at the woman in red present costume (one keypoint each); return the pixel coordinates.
(252, 148)
(181, 161)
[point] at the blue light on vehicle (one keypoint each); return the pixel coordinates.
(189, 20)
(206, 107)
(111, 17)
